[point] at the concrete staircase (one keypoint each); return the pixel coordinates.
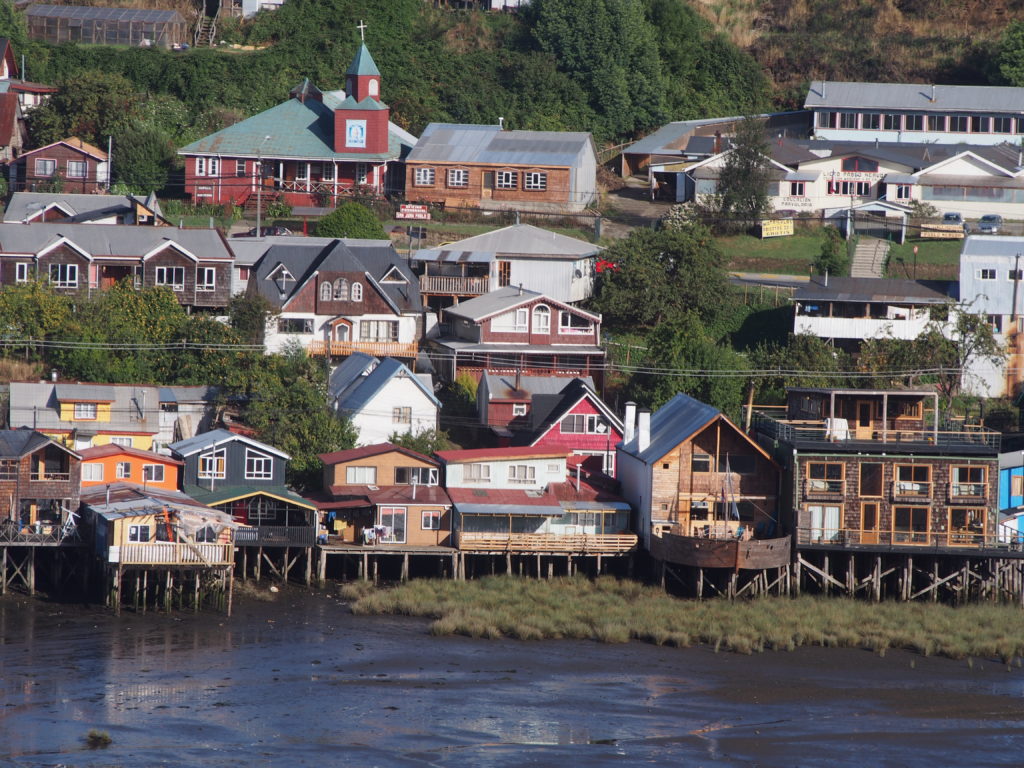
(869, 258)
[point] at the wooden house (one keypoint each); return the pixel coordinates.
(385, 494)
(883, 468)
(314, 149)
(684, 467)
(111, 463)
(39, 489)
(246, 479)
(485, 166)
(70, 165)
(514, 330)
(84, 415)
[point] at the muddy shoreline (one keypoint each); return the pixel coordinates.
(299, 680)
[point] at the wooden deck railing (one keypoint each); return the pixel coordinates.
(458, 286)
(949, 434)
(169, 553)
(275, 536)
(42, 533)
(375, 348)
(52, 477)
(851, 537)
(581, 544)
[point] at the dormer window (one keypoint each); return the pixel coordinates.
(212, 465)
(357, 291)
(341, 289)
(85, 410)
(394, 275)
(862, 164)
(542, 319)
(325, 291)
(281, 277)
(258, 466)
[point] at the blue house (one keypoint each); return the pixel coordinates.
(1011, 496)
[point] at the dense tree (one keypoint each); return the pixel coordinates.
(351, 219)
(1011, 54)
(143, 156)
(743, 178)
(833, 259)
(803, 361)
(426, 442)
(32, 312)
(92, 105)
(248, 315)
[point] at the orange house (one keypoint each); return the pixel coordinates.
(106, 464)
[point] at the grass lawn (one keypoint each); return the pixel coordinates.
(791, 255)
(936, 259)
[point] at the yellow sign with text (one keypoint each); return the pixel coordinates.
(776, 228)
(943, 231)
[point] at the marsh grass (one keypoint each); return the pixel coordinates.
(611, 611)
(96, 739)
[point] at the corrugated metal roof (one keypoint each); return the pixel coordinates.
(458, 345)
(675, 422)
(876, 290)
(1007, 246)
(500, 300)
(26, 204)
(228, 492)
(914, 96)
(521, 240)
(449, 256)
(503, 386)
(339, 457)
(217, 436)
(900, 178)
(111, 240)
(134, 409)
(362, 390)
(104, 14)
(489, 144)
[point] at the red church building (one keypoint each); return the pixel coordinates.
(315, 148)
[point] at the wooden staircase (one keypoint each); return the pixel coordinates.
(268, 196)
(206, 31)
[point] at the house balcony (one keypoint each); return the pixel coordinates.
(375, 348)
(538, 543)
(454, 286)
(50, 477)
(824, 489)
(909, 491)
(860, 327)
(967, 538)
(275, 536)
(40, 534)
(170, 553)
(965, 493)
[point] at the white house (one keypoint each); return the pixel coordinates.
(382, 397)
(518, 468)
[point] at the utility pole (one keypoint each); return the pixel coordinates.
(259, 183)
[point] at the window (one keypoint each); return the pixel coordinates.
(64, 275)
(870, 122)
(401, 414)
(153, 473)
(797, 189)
(1017, 485)
(393, 518)
(535, 181)
(171, 276)
(892, 122)
(850, 188)
(913, 123)
(357, 291)
(1015, 274)
(824, 521)
(302, 171)
(744, 465)
(910, 525)
(124, 442)
(860, 164)
(21, 271)
(969, 481)
(979, 124)
(294, 325)
(138, 533)
(240, 168)
(360, 173)
(213, 166)
(212, 465)
(506, 180)
(341, 289)
(458, 177)
(582, 423)
(90, 472)
(913, 480)
(870, 479)
(326, 172)
(361, 475)
(571, 323)
(431, 520)
(519, 409)
(76, 169)
(541, 319)
(1002, 125)
(206, 279)
(476, 473)
(326, 291)
(124, 470)
(378, 330)
(522, 473)
(516, 321)
(85, 410)
(957, 123)
(966, 525)
(825, 477)
(200, 166)
(45, 167)
(936, 122)
(848, 120)
(701, 462)
(902, 191)
(826, 119)
(986, 274)
(424, 177)
(419, 475)
(258, 466)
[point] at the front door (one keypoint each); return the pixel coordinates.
(488, 189)
(393, 520)
(824, 522)
(869, 522)
(865, 413)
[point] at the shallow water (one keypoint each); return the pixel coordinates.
(300, 681)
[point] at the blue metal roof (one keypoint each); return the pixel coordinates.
(675, 422)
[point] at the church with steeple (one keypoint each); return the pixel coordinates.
(311, 151)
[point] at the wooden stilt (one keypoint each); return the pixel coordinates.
(376, 574)
(309, 566)
(598, 563)
(32, 570)
(551, 568)
(3, 570)
(405, 567)
(117, 592)
(321, 574)
(700, 583)
(508, 563)
(538, 565)
(245, 563)
(196, 593)
(259, 562)
(145, 589)
(364, 570)
(877, 580)
(827, 573)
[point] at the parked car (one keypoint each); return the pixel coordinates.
(955, 219)
(990, 224)
(265, 232)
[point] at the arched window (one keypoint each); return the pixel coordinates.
(341, 289)
(357, 291)
(325, 291)
(541, 319)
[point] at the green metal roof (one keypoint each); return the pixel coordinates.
(296, 129)
(363, 64)
(230, 492)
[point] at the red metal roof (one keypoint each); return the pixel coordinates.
(503, 496)
(403, 494)
(339, 457)
(588, 491)
(513, 452)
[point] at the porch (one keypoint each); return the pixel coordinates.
(321, 347)
(542, 543)
(170, 553)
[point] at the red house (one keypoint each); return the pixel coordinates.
(314, 148)
(513, 330)
(69, 165)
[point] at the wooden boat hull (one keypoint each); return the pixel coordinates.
(755, 554)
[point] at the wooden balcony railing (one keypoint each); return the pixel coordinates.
(375, 348)
(908, 489)
(12, 532)
(577, 544)
(455, 286)
(814, 488)
(53, 477)
(850, 537)
(170, 553)
(275, 536)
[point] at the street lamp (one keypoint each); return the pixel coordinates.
(259, 183)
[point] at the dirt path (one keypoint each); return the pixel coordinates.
(629, 208)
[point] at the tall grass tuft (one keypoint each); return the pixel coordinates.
(611, 611)
(96, 739)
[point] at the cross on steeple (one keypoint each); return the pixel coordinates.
(361, 26)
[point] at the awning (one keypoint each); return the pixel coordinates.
(802, 176)
(515, 510)
(899, 178)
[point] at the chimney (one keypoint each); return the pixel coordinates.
(718, 142)
(629, 423)
(520, 289)
(643, 430)
(933, 93)
(53, 375)
(501, 123)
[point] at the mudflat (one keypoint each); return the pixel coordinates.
(299, 680)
